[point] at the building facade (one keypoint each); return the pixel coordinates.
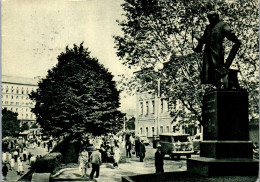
(149, 109)
(15, 96)
(153, 116)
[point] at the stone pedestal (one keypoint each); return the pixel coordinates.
(226, 136)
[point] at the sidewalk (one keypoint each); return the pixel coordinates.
(111, 174)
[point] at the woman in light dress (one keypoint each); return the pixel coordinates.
(83, 162)
(20, 166)
(117, 154)
(12, 164)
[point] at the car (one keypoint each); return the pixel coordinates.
(176, 145)
(145, 139)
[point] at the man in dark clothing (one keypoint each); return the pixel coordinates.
(142, 151)
(5, 171)
(137, 147)
(128, 147)
(159, 160)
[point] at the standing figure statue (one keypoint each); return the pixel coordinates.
(215, 70)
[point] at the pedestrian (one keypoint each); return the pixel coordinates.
(29, 157)
(137, 147)
(5, 171)
(95, 159)
(24, 155)
(117, 154)
(12, 164)
(128, 146)
(15, 155)
(9, 158)
(4, 157)
(83, 162)
(159, 159)
(20, 167)
(142, 151)
(32, 160)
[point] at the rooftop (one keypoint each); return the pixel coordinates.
(20, 80)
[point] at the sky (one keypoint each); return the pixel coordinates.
(35, 32)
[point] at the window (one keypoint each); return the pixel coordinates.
(6, 90)
(17, 91)
(167, 129)
(147, 108)
(22, 91)
(6, 96)
(12, 97)
(153, 131)
(161, 129)
(153, 107)
(141, 108)
(11, 109)
(162, 106)
(141, 131)
(16, 97)
(16, 109)
(146, 131)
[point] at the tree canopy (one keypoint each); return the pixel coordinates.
(10, 123)
(161, 31)
(78, 95)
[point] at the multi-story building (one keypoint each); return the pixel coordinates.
(15, 96)
(152, 116)
(147, 115)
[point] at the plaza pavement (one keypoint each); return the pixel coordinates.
(127, 167)
(12, 174)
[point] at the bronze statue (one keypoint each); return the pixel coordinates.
(215, 70)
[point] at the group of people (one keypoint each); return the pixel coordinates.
(85, 159)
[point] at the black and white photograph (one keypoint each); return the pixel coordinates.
(130, 90)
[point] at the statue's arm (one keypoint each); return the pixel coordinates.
(201, 41)
(230, 35)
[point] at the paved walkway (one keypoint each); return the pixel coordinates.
(128, 168)
(12, 174)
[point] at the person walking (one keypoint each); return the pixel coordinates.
(12, 164)
(5, 171)
(24, 155)
(128, 146)
(117, 155)
(83, 162)
(142, 151)
(15, 155)
(29, 157)
(20, 167)
(4, 157)
(95, 159)
(159, 160)
(137, 147)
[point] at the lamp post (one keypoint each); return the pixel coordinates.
(157, 68)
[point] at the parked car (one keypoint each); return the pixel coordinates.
(145, 139)
(176, 145)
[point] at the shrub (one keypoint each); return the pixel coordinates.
(48, 163)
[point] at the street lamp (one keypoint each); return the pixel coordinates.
(157, 68)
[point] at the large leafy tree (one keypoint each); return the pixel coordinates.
(77, 96)
(10, 123)
(161, 31)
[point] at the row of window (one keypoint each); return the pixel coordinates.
(17, 91)
(27, 115)
(15, 97)
(148, 107)
(152, 132)
(17, 103)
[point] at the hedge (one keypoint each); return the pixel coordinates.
(48, 163)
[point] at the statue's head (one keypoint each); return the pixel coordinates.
(213, 17)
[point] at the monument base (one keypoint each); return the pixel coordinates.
(223, 167)
(226, 149)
